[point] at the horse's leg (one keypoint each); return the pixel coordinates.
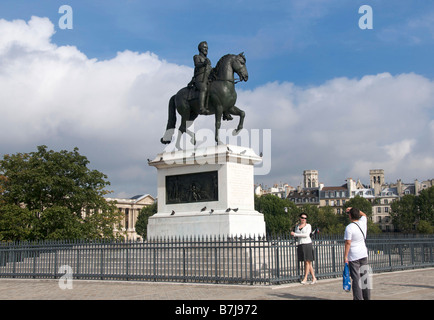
(182, 129)
(238, 112)
(218, 122)
(171, 122)
(193, 116)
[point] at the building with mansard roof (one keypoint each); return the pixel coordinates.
(130, 208)
(379, 193)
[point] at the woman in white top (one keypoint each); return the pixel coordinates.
(304, 249)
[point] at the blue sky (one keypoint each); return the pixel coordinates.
(306, 42)
(297, 52)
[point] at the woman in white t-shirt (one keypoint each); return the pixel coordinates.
(356, 253)
(304, 249)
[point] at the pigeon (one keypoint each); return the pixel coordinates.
(260, 154)
(203, 209)
(212, 210)
(173, 212)
(228, 209)
(235, 210)
(243, 152)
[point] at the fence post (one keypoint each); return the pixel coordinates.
(334, 256)
(102, 263)
(154, 264)
(183, 264)
(126, 262)
(12, 255)
(215, 265)
(389, 248)
(55, 263)
(277, 264)
(251, 265)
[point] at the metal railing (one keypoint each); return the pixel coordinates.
(268, 260)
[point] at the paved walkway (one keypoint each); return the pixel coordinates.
(401, 285)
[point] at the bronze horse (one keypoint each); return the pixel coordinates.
(221, 99)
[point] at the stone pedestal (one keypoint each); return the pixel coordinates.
(206, 192)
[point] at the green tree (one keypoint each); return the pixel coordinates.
(58, 223)
(328, 222)
(280, 215)
(45, 179)
(16, 223)
(61, 183)
(142, 219)
(403, 213)
(425, 204)
(414, 213)
(425, 227)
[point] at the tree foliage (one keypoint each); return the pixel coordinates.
(142, 219)
(64, 197)
(282, 215)
(414, 213)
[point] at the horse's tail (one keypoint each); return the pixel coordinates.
(171, 122)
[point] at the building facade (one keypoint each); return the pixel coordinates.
(130, 208)
(380, 194)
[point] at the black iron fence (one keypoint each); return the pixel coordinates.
(268, 260)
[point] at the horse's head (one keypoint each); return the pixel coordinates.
(239, 66)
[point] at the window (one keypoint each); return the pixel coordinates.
(126, 218)
(378, 209)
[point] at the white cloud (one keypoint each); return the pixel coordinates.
(115, 111)
(345, 127)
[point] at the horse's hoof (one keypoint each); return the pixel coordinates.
(236, 132)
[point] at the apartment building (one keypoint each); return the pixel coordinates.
(378, 192)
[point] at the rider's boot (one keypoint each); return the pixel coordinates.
(202, 97)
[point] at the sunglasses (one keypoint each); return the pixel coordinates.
(303, 218)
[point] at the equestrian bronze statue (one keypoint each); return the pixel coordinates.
(219, 101)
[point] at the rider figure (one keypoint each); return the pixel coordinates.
(202, 69)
